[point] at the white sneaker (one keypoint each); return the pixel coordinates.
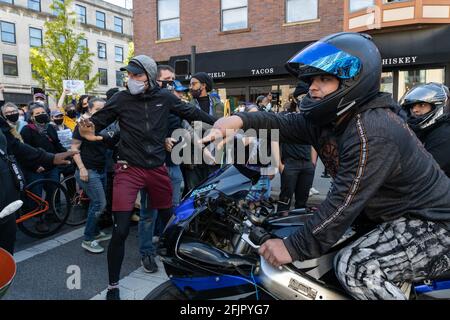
(314, 191)
(92, 246)
(103, 236)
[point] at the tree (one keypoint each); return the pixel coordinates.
(62, 57)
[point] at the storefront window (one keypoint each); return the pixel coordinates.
(387, 82)
(409, 78)
(234, 95)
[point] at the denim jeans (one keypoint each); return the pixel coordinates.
(52, 174)
(261, 190)
(147, 226)
(176, 177)
(95, 189)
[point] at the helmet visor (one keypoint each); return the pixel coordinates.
(327, 58)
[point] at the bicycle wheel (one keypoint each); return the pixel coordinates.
(39, 217)
(78, 202)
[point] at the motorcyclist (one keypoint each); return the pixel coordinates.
(427, 106)
(381, 173)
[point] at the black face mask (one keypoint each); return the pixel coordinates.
(71, 113)
(59, 121)
(196, 93)
(12, 117)
(41, 118)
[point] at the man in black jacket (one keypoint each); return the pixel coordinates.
(24, 154)
(427, 106)
(381, 173)
(143, 112)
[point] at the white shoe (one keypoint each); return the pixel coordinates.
(314, 191)
(92, 246)
(103, 236)
(11, 208)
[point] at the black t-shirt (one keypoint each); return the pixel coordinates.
(93, 153)
(204, 104)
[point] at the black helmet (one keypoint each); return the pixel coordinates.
(436, 94)
(351, 57)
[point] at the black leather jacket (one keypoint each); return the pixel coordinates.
(381, 171)
(143, 121)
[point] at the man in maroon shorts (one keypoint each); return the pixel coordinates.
(142, 112)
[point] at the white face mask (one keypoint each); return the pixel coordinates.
(21, 118)
(136, 87)
(268, 106)
(241, 109)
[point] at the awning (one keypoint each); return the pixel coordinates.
(248, 62)
(414, 47)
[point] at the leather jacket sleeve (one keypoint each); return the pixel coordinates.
(364, 165)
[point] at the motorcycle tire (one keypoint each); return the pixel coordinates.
(166, 291)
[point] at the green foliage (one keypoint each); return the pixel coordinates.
(61, 56)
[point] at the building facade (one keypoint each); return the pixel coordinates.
(108, 31)
(413, 38)
(242, 44)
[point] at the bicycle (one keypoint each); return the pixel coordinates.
(79, 202)
(38, 217)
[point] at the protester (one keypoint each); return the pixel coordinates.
(142, 111)
(297, 164)
(91, 175)
(83, 104)
(11, 113)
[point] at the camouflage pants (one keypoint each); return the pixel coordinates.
(395, 252)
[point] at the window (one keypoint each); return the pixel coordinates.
(101, 50)
(7, 1)
(168, 19)
(234, 15)
(301, 10)
(10, 65)
(118, 24)
(103, 77)
(409, 78)
(34, 5)
(120, 79)
(81, 13)
(119, 54)
(83, 43)
(356, 5)
(8, 32)
(35, 37)
(100, 19)
(387, 82)
(55, 12)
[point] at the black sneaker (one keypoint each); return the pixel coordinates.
(113, 294)
(149, 264)
(41, 226)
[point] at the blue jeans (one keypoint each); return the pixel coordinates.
(176, 177)
(95, 189)
(256, 192)
(52, 174)
(148, 221)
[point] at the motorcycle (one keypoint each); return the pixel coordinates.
(210, 249)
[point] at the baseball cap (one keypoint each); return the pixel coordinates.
(179, 86)
(55, 113)
(133, 68)
(39, 95)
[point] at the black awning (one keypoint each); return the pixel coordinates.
(415, 47)
(248, 62)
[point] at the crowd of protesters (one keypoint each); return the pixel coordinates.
(121, 148)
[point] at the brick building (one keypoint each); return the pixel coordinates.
(243, 44)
